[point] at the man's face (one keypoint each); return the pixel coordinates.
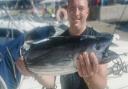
(77, 13)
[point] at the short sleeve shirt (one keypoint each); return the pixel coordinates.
(74, 81)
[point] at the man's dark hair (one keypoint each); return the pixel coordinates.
(86, 0)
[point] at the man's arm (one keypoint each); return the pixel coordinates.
(45, 80)
(94, 74)
(99, 79)
(22, 67)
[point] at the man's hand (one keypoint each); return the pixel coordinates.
(22, 67)
(93, 73)
(87, 64)
(45, 80)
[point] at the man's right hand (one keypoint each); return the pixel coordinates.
(22, 67)
(45, 80)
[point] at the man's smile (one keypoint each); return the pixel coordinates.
(77, 20)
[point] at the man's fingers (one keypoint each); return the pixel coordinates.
(94, 62)
(86, 61)
(79, 68)
(87, 64)
(83, 65)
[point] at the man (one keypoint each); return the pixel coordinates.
(91, 75)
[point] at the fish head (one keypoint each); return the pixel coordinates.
(98, 44)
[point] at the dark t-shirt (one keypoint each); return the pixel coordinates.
(74, 81)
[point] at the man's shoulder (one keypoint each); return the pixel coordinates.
(91, 31)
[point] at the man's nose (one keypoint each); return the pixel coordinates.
(77, 12)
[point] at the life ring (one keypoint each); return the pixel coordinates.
(61, 14)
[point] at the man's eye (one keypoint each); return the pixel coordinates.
(81, 8)
(71, 8)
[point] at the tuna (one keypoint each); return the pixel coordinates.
(57, 55)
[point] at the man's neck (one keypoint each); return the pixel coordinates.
(76, 32)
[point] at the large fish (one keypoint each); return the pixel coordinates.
(57, 55)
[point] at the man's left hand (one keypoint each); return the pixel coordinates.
(87, 64)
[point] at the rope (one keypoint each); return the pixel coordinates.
(119, 67)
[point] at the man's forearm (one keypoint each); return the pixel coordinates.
(22, 68)
(96, 82)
